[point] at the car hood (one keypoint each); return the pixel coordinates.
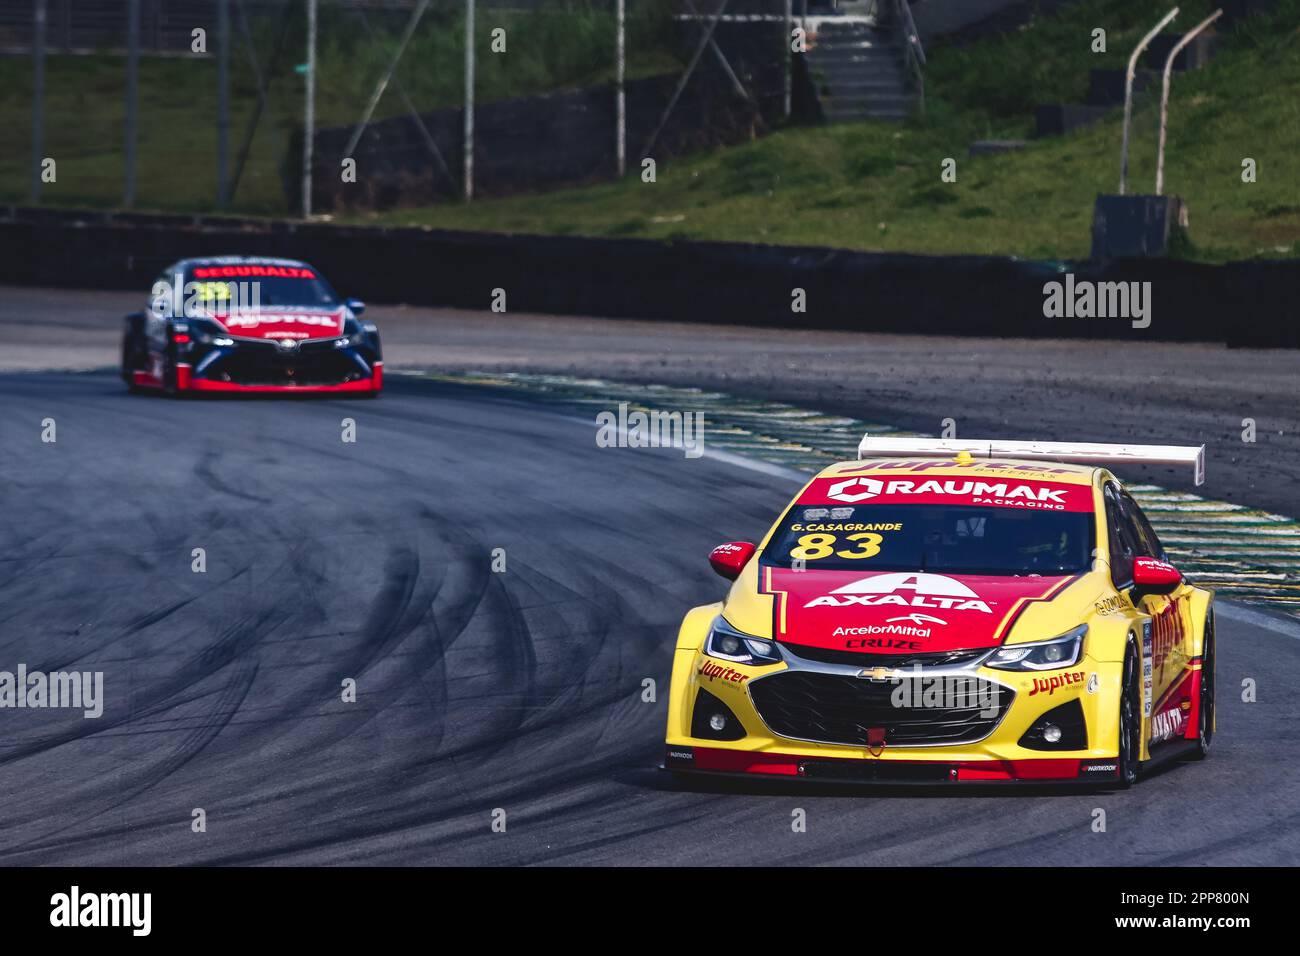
(284, 323)
(886, 612)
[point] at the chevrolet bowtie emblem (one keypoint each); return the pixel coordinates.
(875, 673)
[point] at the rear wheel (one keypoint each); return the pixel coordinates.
(1130, 717)
(1205, 728)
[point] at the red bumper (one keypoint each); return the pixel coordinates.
(203, 385)
(749, 763)
(186, 382)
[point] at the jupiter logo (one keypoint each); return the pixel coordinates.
(1050, 685)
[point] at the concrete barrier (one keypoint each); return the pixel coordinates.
(1248, 303)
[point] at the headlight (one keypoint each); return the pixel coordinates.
(1063, 651)
(207, 333)
(729, 644)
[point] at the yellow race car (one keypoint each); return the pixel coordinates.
(945, 611)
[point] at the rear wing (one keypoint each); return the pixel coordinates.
(1076, 453)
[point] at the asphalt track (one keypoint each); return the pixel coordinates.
(1156, 392)
(476, 690)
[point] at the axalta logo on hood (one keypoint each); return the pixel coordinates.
(927, 590)
(899, 611)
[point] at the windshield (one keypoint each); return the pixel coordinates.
(950, 538)
(266, 285)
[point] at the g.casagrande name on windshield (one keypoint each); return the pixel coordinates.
(78, 690)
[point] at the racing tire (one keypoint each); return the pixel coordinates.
(1205, 728)
(169, 378)
(132, 352)
(169, 375)
(1130, 716)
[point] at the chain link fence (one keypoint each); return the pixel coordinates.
(220, 96)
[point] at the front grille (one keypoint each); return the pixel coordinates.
(899, 661)
(837, 708)
(312, 363)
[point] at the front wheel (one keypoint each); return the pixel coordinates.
(133, 355)
(1130, 717)
(170, 377)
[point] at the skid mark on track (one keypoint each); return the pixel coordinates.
(205, 469)
(206, 729)
(529, 708)
(476, 690)
(1271, 834)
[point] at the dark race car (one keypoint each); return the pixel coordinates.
(239, 324)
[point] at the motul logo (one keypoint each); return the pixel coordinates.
(270, 318)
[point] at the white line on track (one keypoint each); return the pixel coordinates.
(738, 461)
(1246, 615)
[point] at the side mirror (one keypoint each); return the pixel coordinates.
(356, 305)
(730, 559)
(1153, 576)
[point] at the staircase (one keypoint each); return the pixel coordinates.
(859, 68)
